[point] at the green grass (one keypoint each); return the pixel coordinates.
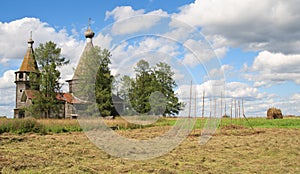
(59, 125)
(20, 126)
(255, 122)
(45, 126)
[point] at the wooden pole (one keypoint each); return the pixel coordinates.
(190, 106)
(225, 111)
(195, 104)
(245, 115)
(215, 107)
(221, 110)
(203, 95)
(210, 107)
(225, 105)
(243, 106)
(195, 109)
(239, 113)
(231, 112)
(235, 114)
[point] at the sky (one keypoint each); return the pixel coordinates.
(249, 47)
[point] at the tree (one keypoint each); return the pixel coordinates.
(104, 79)
(49, 60)
(164, 76)
(152, 91)
(142, 87)
(124, 91)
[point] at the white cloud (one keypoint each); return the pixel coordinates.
(128, 20)
(7, 93)
(220, 72)
(151, 49)
(7, 80)
(276, 62)
(296, 97)
(241, 90)
(123, 12)
(199, 52)
(104, 41)
(250, 24)
(273, 68)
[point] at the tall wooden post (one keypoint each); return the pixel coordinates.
(231, 111)
(210, 107)
(221, 110)
(203, 95)
(235, 112)
(190, 106)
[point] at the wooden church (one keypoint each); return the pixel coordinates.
(25, 93)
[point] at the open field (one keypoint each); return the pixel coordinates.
(267, 150)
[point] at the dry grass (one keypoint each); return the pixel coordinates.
(270, 151)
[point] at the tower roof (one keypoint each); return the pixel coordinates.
(89, 34)
(29, 63)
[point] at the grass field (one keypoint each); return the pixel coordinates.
(272, 148)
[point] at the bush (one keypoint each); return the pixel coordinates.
(20, 126)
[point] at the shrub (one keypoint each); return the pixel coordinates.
(20, 126)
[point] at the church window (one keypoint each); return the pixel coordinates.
(24, 97)
(21, 76)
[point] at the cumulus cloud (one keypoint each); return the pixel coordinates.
(151, 49)
(128, 20)
(7, 80)
(7, 93)
(199, 52)
(251, 24)
(273, 68)
(296, 96)
(123, 12)
(222, 71)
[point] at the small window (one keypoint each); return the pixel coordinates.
(21, 76)
(23, 97)
(21, 90)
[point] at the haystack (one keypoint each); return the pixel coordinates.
(274, 113)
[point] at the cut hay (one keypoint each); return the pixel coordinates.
(274, 113)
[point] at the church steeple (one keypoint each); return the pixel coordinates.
(29, 65)
(89, 34)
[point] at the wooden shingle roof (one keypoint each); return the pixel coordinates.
(29, 63)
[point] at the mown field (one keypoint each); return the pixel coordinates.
(60, 146)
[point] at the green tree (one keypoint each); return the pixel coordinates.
(124, 91)
(164, 76)
(104, 79)
(142, 87)
(152, 91)
(49, 60)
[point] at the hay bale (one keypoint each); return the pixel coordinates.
(274, 113)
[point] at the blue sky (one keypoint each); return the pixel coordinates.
(257, 43)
